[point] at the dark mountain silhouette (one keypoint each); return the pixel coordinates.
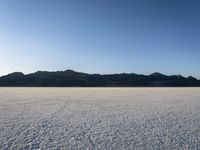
(70, 78)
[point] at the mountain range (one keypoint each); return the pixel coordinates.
(70, 78)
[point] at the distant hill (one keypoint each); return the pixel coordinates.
(70, 78)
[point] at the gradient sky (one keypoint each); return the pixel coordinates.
(100, 36)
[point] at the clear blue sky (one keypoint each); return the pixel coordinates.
(100, 36)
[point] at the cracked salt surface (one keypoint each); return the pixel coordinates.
(99, 118)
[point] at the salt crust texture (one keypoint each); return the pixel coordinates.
(99, 118)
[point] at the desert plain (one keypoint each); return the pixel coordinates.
(99, 118)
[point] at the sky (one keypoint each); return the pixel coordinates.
(100, 36)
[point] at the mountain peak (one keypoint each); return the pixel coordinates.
(191, 78)
(16, 74)
(69, 70)
(157, 74)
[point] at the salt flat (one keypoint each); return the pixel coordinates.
(100, 118)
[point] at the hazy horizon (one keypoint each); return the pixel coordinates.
(108, 36)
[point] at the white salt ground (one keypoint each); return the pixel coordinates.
(99, 118)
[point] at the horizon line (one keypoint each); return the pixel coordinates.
(100, 73)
